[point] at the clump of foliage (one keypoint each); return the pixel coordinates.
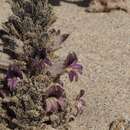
(32, 94)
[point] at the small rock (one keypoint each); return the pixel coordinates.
(120, 124)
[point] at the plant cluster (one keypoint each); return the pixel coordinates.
(32, 94)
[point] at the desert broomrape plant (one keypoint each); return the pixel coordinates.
(39, 94)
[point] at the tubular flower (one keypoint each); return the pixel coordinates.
(72, 67)
(14, 74)
(40, 59)
(80, 102)
(42, 54)
(56, 90)
(54, 105)
(56, 100)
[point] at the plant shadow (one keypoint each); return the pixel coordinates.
(83, 3)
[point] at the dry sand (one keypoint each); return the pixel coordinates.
(102, 42)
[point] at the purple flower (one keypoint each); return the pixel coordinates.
(56, 100)
(80, 102)
(14, 75)
(72, 67)
(12, 83)
(55, 90)
(39, 60)
(54, 105)
(41, 54)
(51, 105)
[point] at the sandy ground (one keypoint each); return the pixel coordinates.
(102, 42)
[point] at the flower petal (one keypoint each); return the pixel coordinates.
(77, 67)
(73, 75)
(71, 58)
(54, 105)
(13, 76)
(81, 94)
(14, 71)
(80, 106)
(80, 102)
(61, 103)
(51, 105)
(56, 90)
(12, 83)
